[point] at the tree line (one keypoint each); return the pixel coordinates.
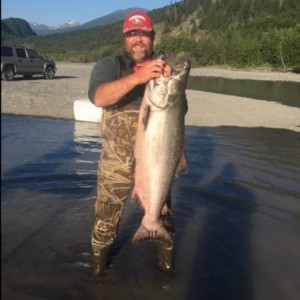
(235, 33)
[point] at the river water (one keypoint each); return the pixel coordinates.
(284, 92)
(237, 217)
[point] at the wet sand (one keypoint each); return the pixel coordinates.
(55, 98)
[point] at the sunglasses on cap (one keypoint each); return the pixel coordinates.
(134, 33)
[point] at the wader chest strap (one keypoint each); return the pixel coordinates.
(123, 68)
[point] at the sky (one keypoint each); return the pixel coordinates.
(56, 12)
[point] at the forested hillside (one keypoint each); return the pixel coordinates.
(238, 33)
(15, 27)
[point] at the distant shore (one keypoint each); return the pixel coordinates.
(54, 98)
(246, 74)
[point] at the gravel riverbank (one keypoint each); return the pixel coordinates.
(54, 98)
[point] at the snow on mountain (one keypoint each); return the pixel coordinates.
(66, 24)
(38, 26)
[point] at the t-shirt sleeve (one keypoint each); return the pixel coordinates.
(105, 70)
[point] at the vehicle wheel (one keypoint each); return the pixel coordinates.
(49, 74)
(8, 73)
(27, 76)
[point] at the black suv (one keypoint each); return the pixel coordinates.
(18, 60)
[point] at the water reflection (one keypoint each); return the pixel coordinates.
(223, 245)
(287, 93)
(236, 214)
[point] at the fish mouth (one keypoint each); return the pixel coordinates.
(184, 70)
(181, 75)
(177, 75)
(187, 64)
(166, 86)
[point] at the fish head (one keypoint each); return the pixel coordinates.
(166, 90)
(178, 79)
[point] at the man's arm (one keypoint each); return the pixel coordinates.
(110, 93)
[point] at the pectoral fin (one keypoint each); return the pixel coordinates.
(182, 165)
(146, 115)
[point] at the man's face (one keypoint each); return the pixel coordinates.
(138, 44)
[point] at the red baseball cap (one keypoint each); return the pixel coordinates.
(138, 20)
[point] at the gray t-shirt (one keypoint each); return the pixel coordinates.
(108, 69)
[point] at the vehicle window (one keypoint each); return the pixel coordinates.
(20, 52)
(6, 51)
(32, 54)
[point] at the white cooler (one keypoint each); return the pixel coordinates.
(85, 110)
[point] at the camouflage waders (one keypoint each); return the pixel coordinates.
(114, 178)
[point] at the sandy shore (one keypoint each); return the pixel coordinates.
(54, 98)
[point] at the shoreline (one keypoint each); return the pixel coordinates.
(248, 74)
(54, 98)
(215, 110)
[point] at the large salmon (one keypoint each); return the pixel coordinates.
(159, 150)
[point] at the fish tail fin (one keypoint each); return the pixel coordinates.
(159, 234)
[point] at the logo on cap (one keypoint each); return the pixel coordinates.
(137, 19)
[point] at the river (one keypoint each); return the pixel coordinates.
(236, 212)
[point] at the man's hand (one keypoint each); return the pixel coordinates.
(110, 93)
(151, 69)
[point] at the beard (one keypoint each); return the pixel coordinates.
(138, 52)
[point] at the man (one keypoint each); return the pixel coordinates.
(117, 85)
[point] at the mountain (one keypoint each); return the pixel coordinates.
(38, 26)
(42, 29)
(116, 16)
(16, 27)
